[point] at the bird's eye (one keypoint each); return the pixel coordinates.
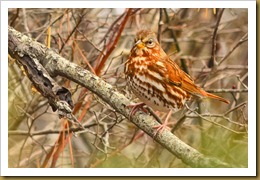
(150, 43)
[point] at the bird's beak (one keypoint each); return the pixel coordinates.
(139, 44)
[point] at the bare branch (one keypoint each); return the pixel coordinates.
(57, 65)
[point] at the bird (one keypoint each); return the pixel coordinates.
(157, 80)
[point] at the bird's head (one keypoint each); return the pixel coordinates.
(145, 43)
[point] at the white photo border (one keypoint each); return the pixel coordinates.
(250, 171)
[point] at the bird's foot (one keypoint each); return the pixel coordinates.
(160, 128)
(136, 107)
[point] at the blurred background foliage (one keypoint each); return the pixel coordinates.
(85, 36)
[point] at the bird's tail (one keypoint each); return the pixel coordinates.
(216, 97)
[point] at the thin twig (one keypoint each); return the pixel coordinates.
(52, 23)
(111, 27)
(72, 32)
(84, 58)
(241, 41)
(228, 67)
(90, 41)
(179, 123)
(219, 115)
(160, 23)
(241, 81)
(46, 132)
(176, 43)
(15, 17)
(211, 121)
(154, 115)
(238, 106)
(103, 60)
(213, 61)
(227, 90)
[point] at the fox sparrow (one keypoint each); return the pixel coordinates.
(157, 80)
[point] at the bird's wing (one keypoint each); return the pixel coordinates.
(176, 76)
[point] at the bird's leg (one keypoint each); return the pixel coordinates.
(135, 107)
(161, 127)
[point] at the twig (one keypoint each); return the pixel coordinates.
(228, 67)
(111, 27)
(90, 41)
(160, 23)
(84, 58)
(227, 90)
(25, 24)
(241, 81)
(154, 115)
(103, 60)
(213, 61)
(213, 122)
(70, 130)
(15, 17)
(238, 106)
(241, 41)
(179, 123)
(72, 32)
(51, 23)
(175, 40)
(216, 123)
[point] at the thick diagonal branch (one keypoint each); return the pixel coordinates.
(57, 65)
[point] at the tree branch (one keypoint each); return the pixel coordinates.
(57, 65)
